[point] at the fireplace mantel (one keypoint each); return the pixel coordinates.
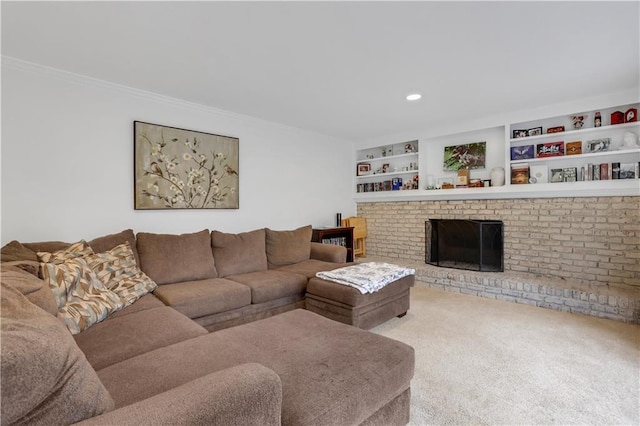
(604, 188)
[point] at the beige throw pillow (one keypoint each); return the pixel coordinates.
(82, 298)
(118, 270)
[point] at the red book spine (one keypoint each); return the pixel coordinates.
(604, 171)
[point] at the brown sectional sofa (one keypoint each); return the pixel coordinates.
(221, 340)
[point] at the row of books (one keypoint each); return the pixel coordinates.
(394, 184)
(336, 241)
(522, 173)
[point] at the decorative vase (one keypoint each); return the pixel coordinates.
(497, 176)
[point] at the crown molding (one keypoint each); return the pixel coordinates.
(10, 62)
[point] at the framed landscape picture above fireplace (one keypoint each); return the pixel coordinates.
(466, 156)
(184, 169)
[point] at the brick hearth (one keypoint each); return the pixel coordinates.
(572, 254)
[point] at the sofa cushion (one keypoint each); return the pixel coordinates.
(14, 251)
(204, 297)
(49, 246)
(107, 242)
(117, 269)
(309, 268)
(148, 301)
(270, 285)
(331, 373)
(130, 335)
(45, 377)
(32, 287)
(288, 247)
(168, 258)
(239, 253)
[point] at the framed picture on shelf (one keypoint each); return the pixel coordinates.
(535, 131)
(599, 145)
(466, 156)
(364, 169)
(385, 168)
(520, 134)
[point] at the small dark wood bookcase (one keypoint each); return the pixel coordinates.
(342, 236)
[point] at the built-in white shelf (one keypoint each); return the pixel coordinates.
(603, 154)
(612, 188)
(579, 132)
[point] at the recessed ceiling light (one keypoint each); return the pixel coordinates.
(414, 97)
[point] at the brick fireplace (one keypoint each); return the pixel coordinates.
(583, 250)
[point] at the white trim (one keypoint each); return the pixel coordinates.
(35, 68)
(606, 188)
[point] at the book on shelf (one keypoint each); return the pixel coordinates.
(573, 148)
(615, 170)
(557, 175)
(550, 149)
(520, 173)
(604, 171)
(628, 170)
(336, 241)
(569, 174)
(539, 174)
(522, 152)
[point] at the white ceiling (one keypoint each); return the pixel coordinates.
(341, 68)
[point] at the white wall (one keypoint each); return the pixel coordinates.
(67, 162)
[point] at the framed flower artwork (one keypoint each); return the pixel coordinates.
(184, 169)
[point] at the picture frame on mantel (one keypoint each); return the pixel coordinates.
(176, 168)
(465, 156)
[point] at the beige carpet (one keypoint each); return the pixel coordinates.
(482, 361)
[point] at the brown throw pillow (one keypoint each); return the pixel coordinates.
(288, 247)
(15, 251)
(239, 253)
(170, 258)
(32, 287)
(46, 379)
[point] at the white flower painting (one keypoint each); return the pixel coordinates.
(184, 169)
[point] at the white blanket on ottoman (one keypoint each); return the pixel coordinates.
(367, 277)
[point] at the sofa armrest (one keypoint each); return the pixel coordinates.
(328, 252)
(248, 394)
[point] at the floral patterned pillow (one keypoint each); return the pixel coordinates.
(119, 272)
(82, 298)
(79, 249)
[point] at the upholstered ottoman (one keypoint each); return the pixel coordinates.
(347, 305)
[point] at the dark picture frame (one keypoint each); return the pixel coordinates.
(535, 131)
(177, 168)
(520, 134)
(364, 169)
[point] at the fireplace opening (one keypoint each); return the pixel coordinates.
(474, 245)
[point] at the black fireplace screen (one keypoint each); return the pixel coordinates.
(465, 244)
